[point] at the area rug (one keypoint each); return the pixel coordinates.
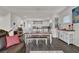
(57, 51)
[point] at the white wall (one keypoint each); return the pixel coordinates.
(76, 34)
(5, 22)
(62, 14)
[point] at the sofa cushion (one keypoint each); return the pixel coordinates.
(18, 48)
(2, 43)
(12, 40)
(15, 48)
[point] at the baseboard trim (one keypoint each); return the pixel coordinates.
(63, 41)
(75, 46)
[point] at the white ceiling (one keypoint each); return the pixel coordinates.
(34, 11)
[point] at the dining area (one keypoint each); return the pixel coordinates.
(39, 34)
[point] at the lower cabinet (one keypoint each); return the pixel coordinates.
(66, 36)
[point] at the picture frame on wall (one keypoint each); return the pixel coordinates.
(75, 15)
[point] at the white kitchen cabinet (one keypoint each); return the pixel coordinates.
(66, 36)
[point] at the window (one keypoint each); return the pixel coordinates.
(67, 19)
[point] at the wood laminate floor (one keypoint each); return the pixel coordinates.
(57, 44)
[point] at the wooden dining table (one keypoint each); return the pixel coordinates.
(38, 36)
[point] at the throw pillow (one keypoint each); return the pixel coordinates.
(12, 40)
